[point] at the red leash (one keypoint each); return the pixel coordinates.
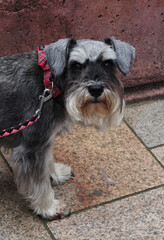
(50, 91)
(20, 126)
(47, 95)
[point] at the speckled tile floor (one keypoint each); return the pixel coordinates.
(118, 188)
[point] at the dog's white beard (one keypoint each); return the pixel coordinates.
(107, 113)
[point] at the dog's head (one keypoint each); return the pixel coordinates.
(86, 72)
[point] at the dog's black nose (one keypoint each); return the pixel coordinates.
(96, 90)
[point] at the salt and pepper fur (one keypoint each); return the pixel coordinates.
(79, 68)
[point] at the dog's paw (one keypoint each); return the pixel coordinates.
(58, 210)
(61, 173)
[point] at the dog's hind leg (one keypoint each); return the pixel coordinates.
(32, 177)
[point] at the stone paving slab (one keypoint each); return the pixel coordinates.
(97, 159)
(16, 221)
(159, 153)
(133, 218)
(147, 120)
(107, 166)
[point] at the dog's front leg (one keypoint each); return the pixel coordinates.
(32, 176)
(59, 172)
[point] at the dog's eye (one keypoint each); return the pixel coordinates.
(77, 66)
(107, 64)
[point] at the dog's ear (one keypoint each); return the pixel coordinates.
(57, 55)
(125, 53)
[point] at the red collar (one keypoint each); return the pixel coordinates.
(42, 62)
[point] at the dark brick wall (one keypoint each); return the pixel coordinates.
(25, 24)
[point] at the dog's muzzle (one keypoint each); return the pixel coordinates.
(93, 104)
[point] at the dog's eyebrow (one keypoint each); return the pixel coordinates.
(82, 53)
(107, 54)
(101, 58)
(78, 54)
(72, 62)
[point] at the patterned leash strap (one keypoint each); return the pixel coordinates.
(47, 94)
(20, 126)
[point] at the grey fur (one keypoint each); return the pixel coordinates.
(125, 55)
(21, 84)
(57, 49)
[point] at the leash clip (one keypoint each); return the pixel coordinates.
(47, 95)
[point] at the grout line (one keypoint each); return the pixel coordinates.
(6, 162)
(148, 149)
(44, 222)
(160, 145)
(118, 199)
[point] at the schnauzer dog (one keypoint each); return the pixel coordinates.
(84, 71)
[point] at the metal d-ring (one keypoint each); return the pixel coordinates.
(47, 95)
